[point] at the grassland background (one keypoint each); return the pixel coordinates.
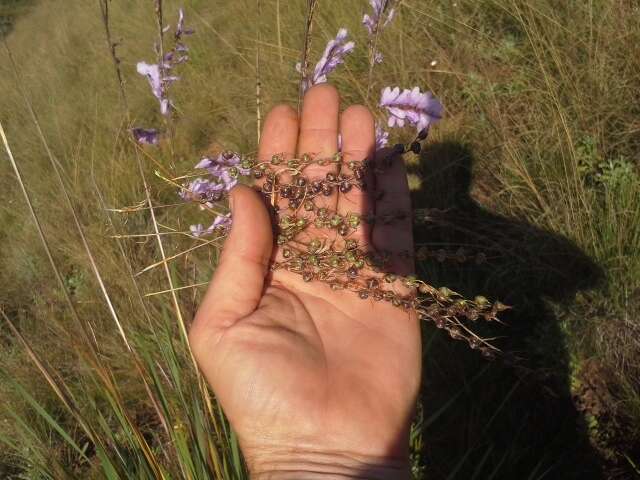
(541, 112)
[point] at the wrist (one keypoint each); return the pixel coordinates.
(303, 464)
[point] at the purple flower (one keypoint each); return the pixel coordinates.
(152, 72)
(380, 9)
(146, 136)
(221, 222)
(202, 190)
(382, 137)
(158, 78)
(333, 55)
(411, 106)
(180, 30)
(225, 168)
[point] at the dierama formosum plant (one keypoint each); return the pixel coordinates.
(345, 264)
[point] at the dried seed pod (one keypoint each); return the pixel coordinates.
(345, 187)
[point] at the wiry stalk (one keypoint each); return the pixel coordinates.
(258, 85)
(176, 305)
(278, 34)
(304, 60)
(138, 362)
(111, 45)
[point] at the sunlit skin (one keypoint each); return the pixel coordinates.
(316, 383)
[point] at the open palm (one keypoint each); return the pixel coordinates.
(314, 381)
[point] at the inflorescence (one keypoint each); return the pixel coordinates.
(321, 244)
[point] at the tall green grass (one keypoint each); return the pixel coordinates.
(542, 93)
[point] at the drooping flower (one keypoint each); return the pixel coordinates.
(382, 137)
(156, 82)
(202, 190)
(157, 73)
(333, 55)
(226, 168)
(146, 136)
(221, 223)
(380, 16)
(414, 107)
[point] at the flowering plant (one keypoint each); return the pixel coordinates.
(292, 195)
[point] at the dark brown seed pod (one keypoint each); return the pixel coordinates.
(345, 187)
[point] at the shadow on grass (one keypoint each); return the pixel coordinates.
(484, 419)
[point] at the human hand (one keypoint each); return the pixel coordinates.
(316, 383)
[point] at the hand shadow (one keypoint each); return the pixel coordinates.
(486, 419)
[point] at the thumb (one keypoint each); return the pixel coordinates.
(237, 284)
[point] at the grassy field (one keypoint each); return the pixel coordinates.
(536, 164)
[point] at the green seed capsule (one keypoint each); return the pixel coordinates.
(481, 301)
(359, 263)
(308, 205)
(351, 256)
(275, 160)
(336, 220)
(315, 245)
(285, 220)
(354, 220)
(445, 292)
(233, 171)
(301, 222)
(410, 281)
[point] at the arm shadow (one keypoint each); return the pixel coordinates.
(509, 418)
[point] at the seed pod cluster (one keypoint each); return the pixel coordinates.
(325, 245)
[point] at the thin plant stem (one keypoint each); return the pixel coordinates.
(111, 45)
(304, 60)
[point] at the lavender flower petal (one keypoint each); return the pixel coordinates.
(382, 137)
(381, 16)
(333, 55)
(417, 108)
(146, 136)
